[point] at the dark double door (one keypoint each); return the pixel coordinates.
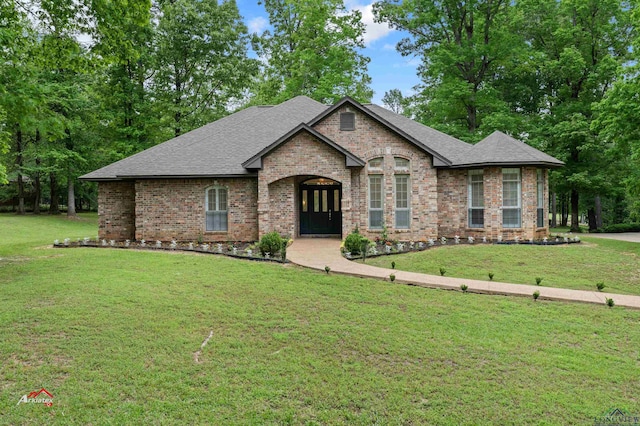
(320, 211)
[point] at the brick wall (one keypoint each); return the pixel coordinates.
(169, 209)
(452, 205)
(301, 157)
(116, 210)
(372, 140)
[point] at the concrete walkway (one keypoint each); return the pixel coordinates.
(632, 237)
(316, 253)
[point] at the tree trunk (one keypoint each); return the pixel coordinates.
(591, 215)
(19, 163)
(554, 209)
(564, 211)
(54, 207)
(575, 223)
(71, 202)
(598, 207)
(37, 187)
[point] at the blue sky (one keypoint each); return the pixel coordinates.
(388, 69)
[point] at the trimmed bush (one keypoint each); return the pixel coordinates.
(621, 227)
(271, 243)
(353, 243)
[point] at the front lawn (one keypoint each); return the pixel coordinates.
(575, 266)
(112, 334)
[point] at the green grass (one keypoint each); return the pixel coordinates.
(575, 266)
(112, 334)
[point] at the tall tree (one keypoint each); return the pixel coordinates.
(581, 45)
(463, 45)
(313, 50)
(201, 64)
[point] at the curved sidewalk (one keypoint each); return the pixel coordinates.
(316, 253)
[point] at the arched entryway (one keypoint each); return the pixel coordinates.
(320, 207)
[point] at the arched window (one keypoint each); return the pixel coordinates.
(216, 209)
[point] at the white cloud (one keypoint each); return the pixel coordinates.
(412, 63)
(389, 46)
(373, 30)
(257, 25)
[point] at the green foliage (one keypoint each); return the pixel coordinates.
(327, 269)
(313, 50)
(442, 271)
(271, 243)
(491, 275)
(464, 288)
(356, 243)
(538, 280)
(621, 227)
(393, 264)
(536, 294)
(392, 277)
(610, 303)
(600, 286)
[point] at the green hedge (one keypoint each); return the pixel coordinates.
(621, 227)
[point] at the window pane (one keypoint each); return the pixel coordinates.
(402, 195)
(376, 163)
(211, 199)
(402, 163)
(347, 121)
(375, 219)
(375, 192)
(402, 219)
(305, 207)
(325, 204)
(511, 218)
(316, 201)
(476, 218)
(540, 218)
(222, 199)
(336, 200)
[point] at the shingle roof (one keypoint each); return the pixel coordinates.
(499, 149)
(220, 148)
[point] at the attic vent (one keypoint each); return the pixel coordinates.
(347, 121)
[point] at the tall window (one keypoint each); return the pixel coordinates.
(375, 201)
(540, 196)
(402, 201)
(216, 204)
(511, 198)
(476, 199)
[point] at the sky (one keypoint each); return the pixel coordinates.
(387, 69)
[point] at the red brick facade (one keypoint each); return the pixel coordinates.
(166, 209)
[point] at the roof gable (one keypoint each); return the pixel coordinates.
(438, 158)
(255, 162)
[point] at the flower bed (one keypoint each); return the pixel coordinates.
(380, 247)
(242, 250)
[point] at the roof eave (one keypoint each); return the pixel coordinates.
(545, 164)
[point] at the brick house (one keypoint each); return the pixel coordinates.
(303, 168)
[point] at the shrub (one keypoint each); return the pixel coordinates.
(327, 269)
(538, 280)
(490, 276)
(600, 286)
(271, 243)
(621, 227)
(393, 265)
(610, 302)
(392, 277)
(442, 271)
(353, 242)
(464, 288)
(536, 294)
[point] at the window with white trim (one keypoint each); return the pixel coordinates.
(376, 164)
(216, 209)
(375, 202)
(511, 199)
(401, 164)
(476, 199)
(540, 196)
(402, 201)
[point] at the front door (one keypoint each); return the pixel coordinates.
(320, 211)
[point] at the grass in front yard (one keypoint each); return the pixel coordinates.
(112, 334)
(575, 266)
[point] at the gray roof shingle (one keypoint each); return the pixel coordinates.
(220, 148)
